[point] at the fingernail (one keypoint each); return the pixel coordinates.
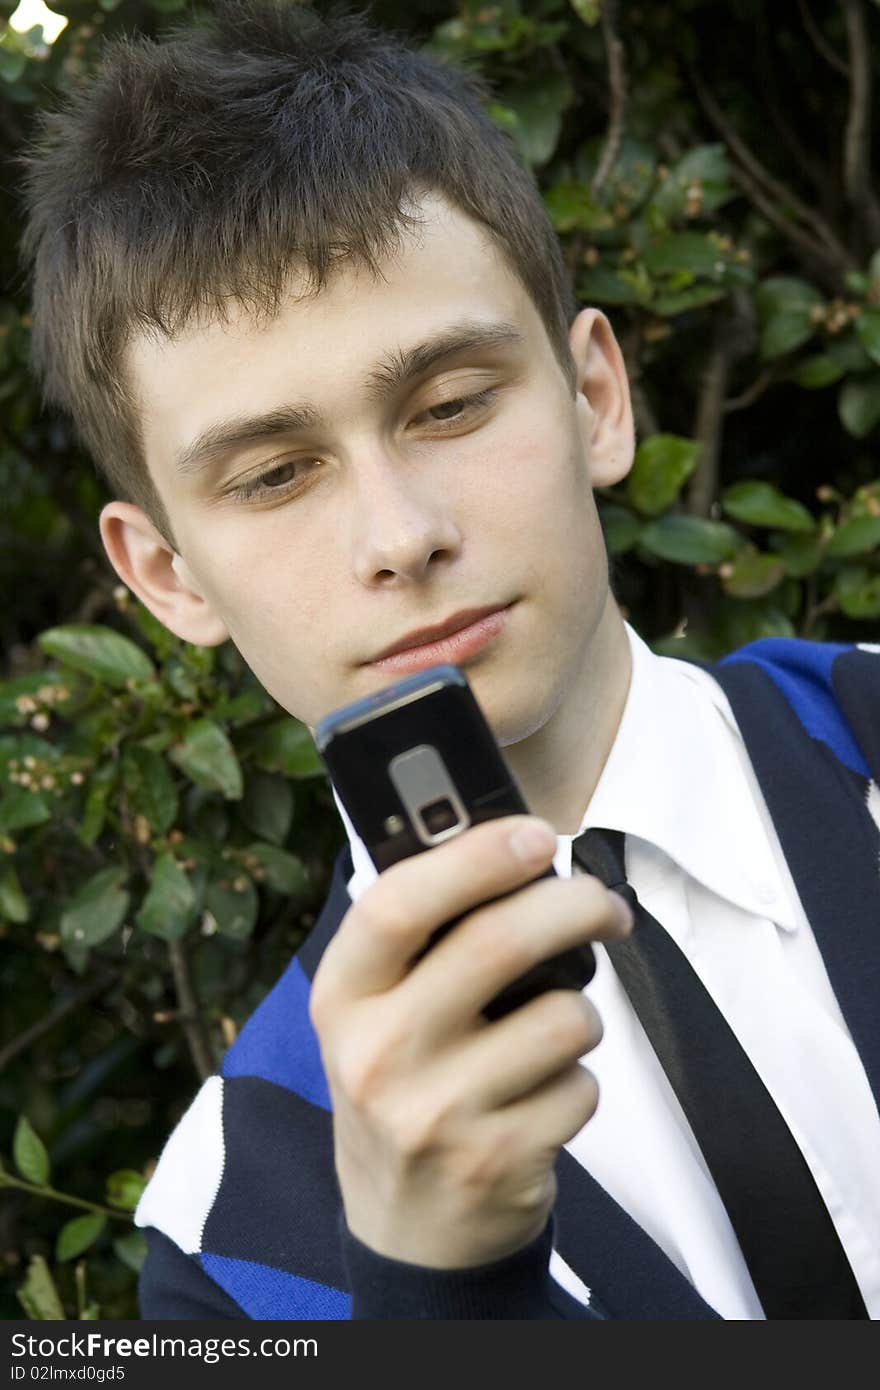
(533, 842)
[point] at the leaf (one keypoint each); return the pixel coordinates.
(801, 554)
(124, 1188)
(20, 809)
(662, 465)
(705, 165)
(589, 11)
(858, 405)
(855, 537)
(571, 207)
(233, 903)
(742, 623)
(284, 872)
(785, 332)
(98, 651)
(691, 251)
(601, 285)
(629, 181)
(208, 759)
(668, 305)
(753, 574)
(11, 691)
(267, 805)
(29, 1153)
(38, 1295)
(690, 540)
(132, 1249)
(868, 330)
(284, 746)
(13, 903)
(785, 308)
(77, 1235)
(169, 905)
(150, 787)
(622, 529)
(857, 590)
(538, 106)
(762, 504)
(244, 708)
(849, 354)
(101, 785)
(817, 371)
(97, 909)
(784, 294)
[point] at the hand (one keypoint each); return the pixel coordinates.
(446, 1126)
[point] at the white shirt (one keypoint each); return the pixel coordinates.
(705, 860)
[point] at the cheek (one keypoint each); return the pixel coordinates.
(540, 493)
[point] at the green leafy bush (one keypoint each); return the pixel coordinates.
(165, 832)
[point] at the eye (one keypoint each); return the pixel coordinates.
(283, 478)
(459, 408)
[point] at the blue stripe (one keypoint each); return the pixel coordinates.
(264, 1292)
(802, 671)
(278, 1042)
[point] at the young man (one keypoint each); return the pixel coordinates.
(312, 321)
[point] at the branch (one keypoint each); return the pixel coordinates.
(618, 94)
(190, 1017)
(751, 394)
(769, 77)
(52, 1195)
(733, 338)
(643, 413)
(822, 47)
(708, 431)
(857, 140)
(48, 1021)
(822, 245)
(189, 1012)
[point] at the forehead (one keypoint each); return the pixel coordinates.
(321, 346)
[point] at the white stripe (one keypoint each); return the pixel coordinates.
(565, 1275)
(181, 1192)
(873, 802)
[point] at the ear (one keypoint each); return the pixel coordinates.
(604, 408)
(160, 578)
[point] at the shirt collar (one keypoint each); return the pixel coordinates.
(679, 778)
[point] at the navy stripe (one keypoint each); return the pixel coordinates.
(856, 680)
(613, 1255)
(278, 1200)
(830, 842)
(802, 672)
(337, 904)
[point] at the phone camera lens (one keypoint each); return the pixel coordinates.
(439, 816)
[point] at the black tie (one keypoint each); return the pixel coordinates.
(787, 1238)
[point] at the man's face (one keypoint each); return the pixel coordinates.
(385, 501)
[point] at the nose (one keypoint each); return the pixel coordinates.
(401, 524)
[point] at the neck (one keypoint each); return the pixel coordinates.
(560, 764)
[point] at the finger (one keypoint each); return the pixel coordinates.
(554, 1112)
(494, 945)
(393, 920)
(508, 1060)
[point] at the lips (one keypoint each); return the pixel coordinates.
(424, 636)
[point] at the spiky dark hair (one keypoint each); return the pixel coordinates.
(196, 171)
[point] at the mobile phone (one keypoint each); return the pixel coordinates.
(415, 764)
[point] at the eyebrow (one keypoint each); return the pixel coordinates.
(399, 367)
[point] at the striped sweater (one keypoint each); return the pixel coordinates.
(243, 1214)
